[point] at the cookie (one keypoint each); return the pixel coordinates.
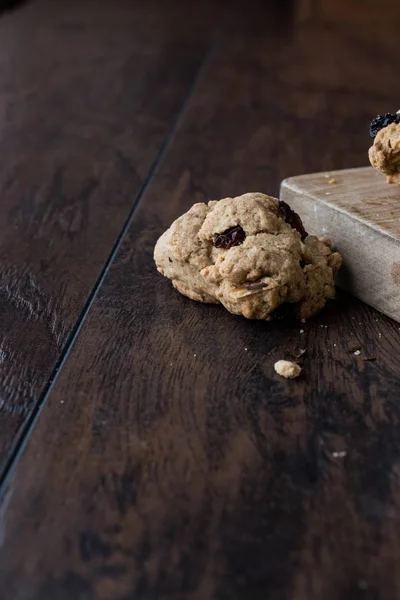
(384, 154)
(249, 253)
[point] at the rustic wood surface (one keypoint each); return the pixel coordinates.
(88, 94)
(360, 211)
(168, 459)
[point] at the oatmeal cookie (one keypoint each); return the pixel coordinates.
(249, 253)
(384, 154)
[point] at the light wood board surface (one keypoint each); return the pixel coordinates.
(360, 212)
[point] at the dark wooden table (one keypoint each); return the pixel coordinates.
(147, 448)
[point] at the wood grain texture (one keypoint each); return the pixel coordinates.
(88, 93)
(170, 461)
(360, 212)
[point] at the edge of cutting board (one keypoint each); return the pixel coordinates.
(360, 212)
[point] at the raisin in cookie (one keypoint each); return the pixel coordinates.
(384, 154)
(249, 253)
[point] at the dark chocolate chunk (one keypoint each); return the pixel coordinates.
(292, 218)
(231, 237)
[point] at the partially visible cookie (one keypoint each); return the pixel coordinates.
(249, 253)
(384, 154)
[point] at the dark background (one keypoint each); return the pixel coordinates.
(148, 450)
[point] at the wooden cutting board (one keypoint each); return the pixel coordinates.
(360, 212)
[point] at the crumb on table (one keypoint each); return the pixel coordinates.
(287, 369)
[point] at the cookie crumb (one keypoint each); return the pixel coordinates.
(331, 181)
(357, 352)
(327, 193)
(301, 330)
(287, 369)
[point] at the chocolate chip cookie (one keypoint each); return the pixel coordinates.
(251, 254)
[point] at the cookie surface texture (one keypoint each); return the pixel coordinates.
(242, 253)
(384, 154)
